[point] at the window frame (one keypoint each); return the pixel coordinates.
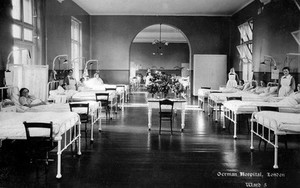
(22, 43)
(245, 49)
(76, 41)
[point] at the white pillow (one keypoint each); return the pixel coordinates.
(14, 95)
(273, 89)
(60, 90)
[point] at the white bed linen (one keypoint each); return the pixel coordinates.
(59, 96)
(206, 92)
(247, 107)
(279, 121)
(93, 106)
(246, 96)
(12, 127)
(91, 95)
(93, 111)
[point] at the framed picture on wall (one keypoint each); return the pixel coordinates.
(296, 35)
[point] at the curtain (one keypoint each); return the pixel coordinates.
(33, 77)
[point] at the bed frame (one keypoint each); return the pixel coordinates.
(214, 106)
(202, 98)
(264, 132)
(52, 85)
(64, 141)
(232, 116)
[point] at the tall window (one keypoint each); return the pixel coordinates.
(245, 49)
(76, 46)
(22, 30)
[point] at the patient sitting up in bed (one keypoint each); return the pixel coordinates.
(292, 99)
(29, 100)
(95, 83)
(262, 88)
(295, 95)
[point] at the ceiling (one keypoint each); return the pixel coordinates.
(163, 8)
(160, 32)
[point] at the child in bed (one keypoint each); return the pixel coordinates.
(29, 100)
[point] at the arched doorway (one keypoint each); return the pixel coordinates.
(160, 47)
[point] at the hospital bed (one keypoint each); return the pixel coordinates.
(66, 129)
(266, 122)
(215, 100)
(234, 108)
(94, 112)
(90, 95)
(118, 93)
(204, 92)
(94, 107)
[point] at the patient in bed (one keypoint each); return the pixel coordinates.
(95, 83)
(292, 100)
(29, 100)
(262, 88)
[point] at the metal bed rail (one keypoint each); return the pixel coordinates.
(264, 132)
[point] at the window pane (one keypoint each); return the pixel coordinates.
(21, 55)
(75, 30)
(16, 31)
(28, 34)
(16, 55)
(16, 10)
(27, 11)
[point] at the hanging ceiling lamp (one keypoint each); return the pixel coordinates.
(160, 43)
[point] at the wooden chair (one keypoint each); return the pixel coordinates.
(41, 142)
(166, 112)
(83, 111)
(104, 99)
(274, 109)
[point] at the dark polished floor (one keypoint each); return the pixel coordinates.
(125, 154)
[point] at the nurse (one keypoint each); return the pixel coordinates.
(232, 77)
(70, 81)
(287, 83)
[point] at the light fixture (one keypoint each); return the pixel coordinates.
(54, 60)
(271, 59)
(288, 60)
(85, 72)
(160, 43)
(12, 52)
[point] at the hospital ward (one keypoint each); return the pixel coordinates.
(161, 93)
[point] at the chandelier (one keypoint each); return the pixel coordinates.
(160, 43)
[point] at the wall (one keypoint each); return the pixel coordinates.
(58, 29)
(271, 35)
(173, 55)
(6, 39)
(112, 37)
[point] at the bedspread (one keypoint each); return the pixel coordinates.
(279, 121)
(93, 106)
(12, 127)
(91, 95)
(240, 107)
